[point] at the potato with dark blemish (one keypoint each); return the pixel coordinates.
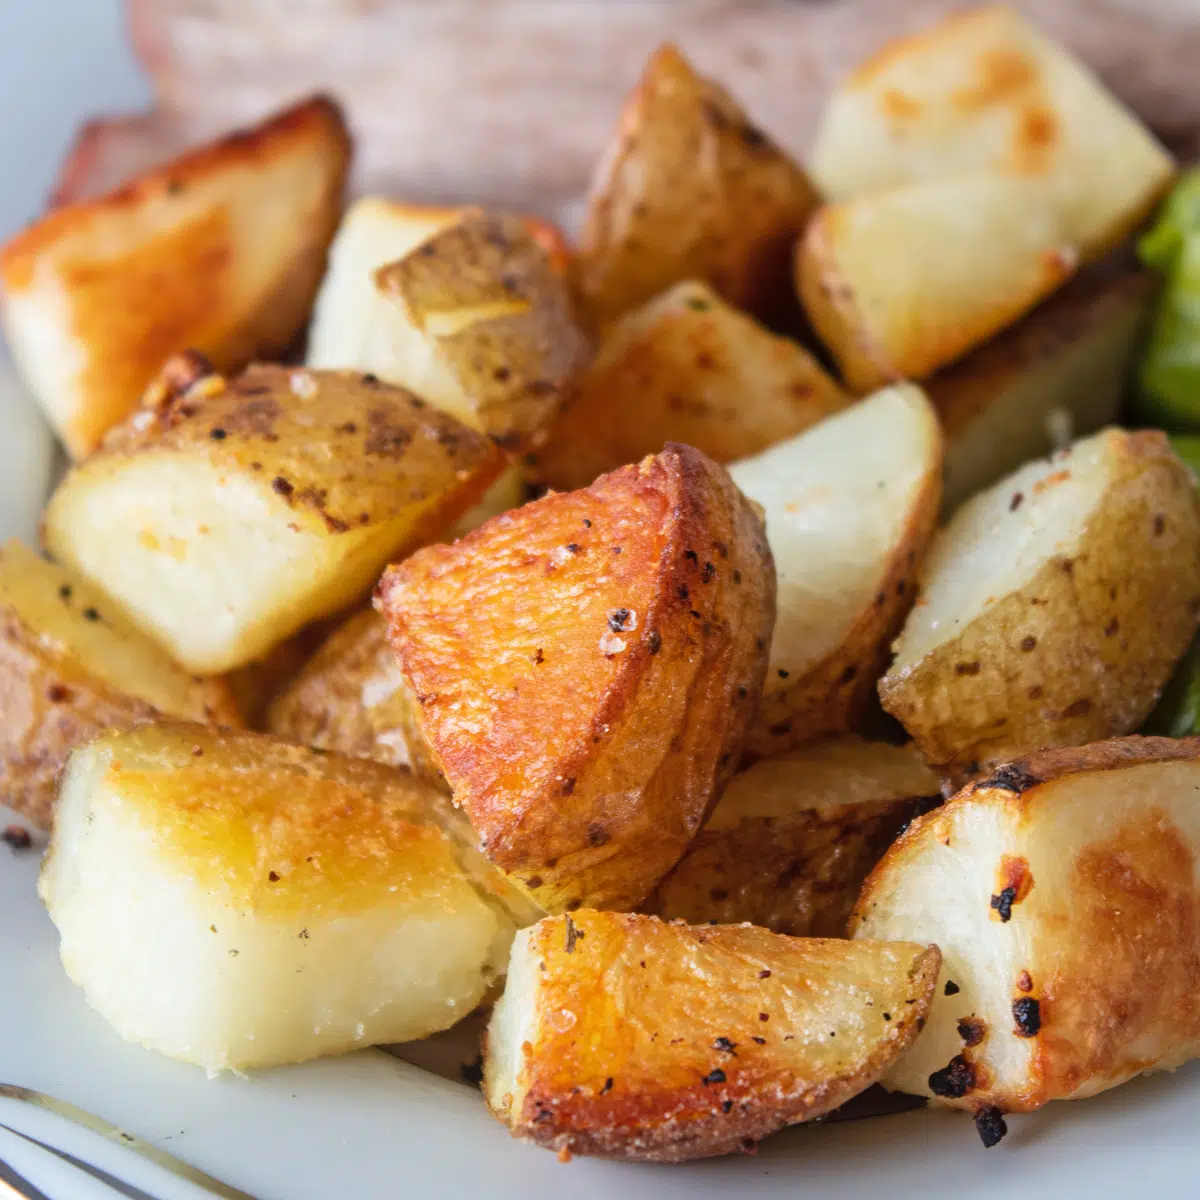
(685, 367)
(985, 91)
(478, 321)
(793, 837)
(1054, 620)
(70, 667)
(1093, 976)
(223, 517)
(629, 1037)
(586, 668)
(690, 189)
(221, 249)
(901, 282)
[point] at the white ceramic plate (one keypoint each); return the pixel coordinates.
(369, 1126)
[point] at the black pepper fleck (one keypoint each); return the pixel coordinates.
(714, 1076)
(654, 642)
(217, 435)
(608, 1083)
(90, 614)
(723, 1043)
(572, 936)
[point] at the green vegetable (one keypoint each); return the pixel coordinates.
(1178, 712)
(1169, 376)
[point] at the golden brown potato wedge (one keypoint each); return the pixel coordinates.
(628, 1037)
(586, 668)
(70, 667)
(686, 367)
(690, 189)
(1053, 606)
(478, 321)
(351, 697)
(235, 513)
(900, 283)
(221, 250)
(1057, 374)
(850, 507)
(373, 233)
(236, 901)
(793, 837)
(1062, 893)
(986, 92)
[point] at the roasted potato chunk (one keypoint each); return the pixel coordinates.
(628, 1037)
(70, 667)
(686, 367)
(235, 901)
(1062, 893)
(586, 668)
(478, 321)
(1058, 374)
(221, 250)
(351, 697)
(850, 507)
(690, 189)
(373, 233)
(234, 513)
(985, 92)
(793, 837)
(1053, 606)
(903, 282)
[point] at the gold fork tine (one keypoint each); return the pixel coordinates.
(78, 1116)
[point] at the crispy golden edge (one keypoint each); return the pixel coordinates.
(689, 776)
(1001, 652)
(834, 696)
(319, 117)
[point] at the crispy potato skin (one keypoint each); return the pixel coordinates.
(351, 697)
(513, 367)
(1111, 942)
(689, 368)
(1023, 676)
(690, 189)
(667, 1058)
(798, 869)
(163, 263)
(586, 667)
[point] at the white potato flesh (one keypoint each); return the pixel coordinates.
(985, 91)
(373, 232)
(839, 500)
(1065, 911)
(223, 902)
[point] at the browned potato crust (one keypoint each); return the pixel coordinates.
(71, 667)
(686, 367)
(586, 667)
(221, 249)
(690, 189)
(792, 838)
(625, 1036)
(1062, 893)
(1053, 606)
(478, 321)
(230, 514)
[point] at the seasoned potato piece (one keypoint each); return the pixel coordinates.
(351, 697)
(628, 1037)
(70, 667)
(234, 513)
(221, 249)
(1063, 895)
(1053, 606)
(373, 233)
(900, 283)
(1058, 373)
(586, 668)
(478, 321)
(984, 91)
(690, 189)
(793, 837)
(685, 367)
(235, 901)
(850, 506)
